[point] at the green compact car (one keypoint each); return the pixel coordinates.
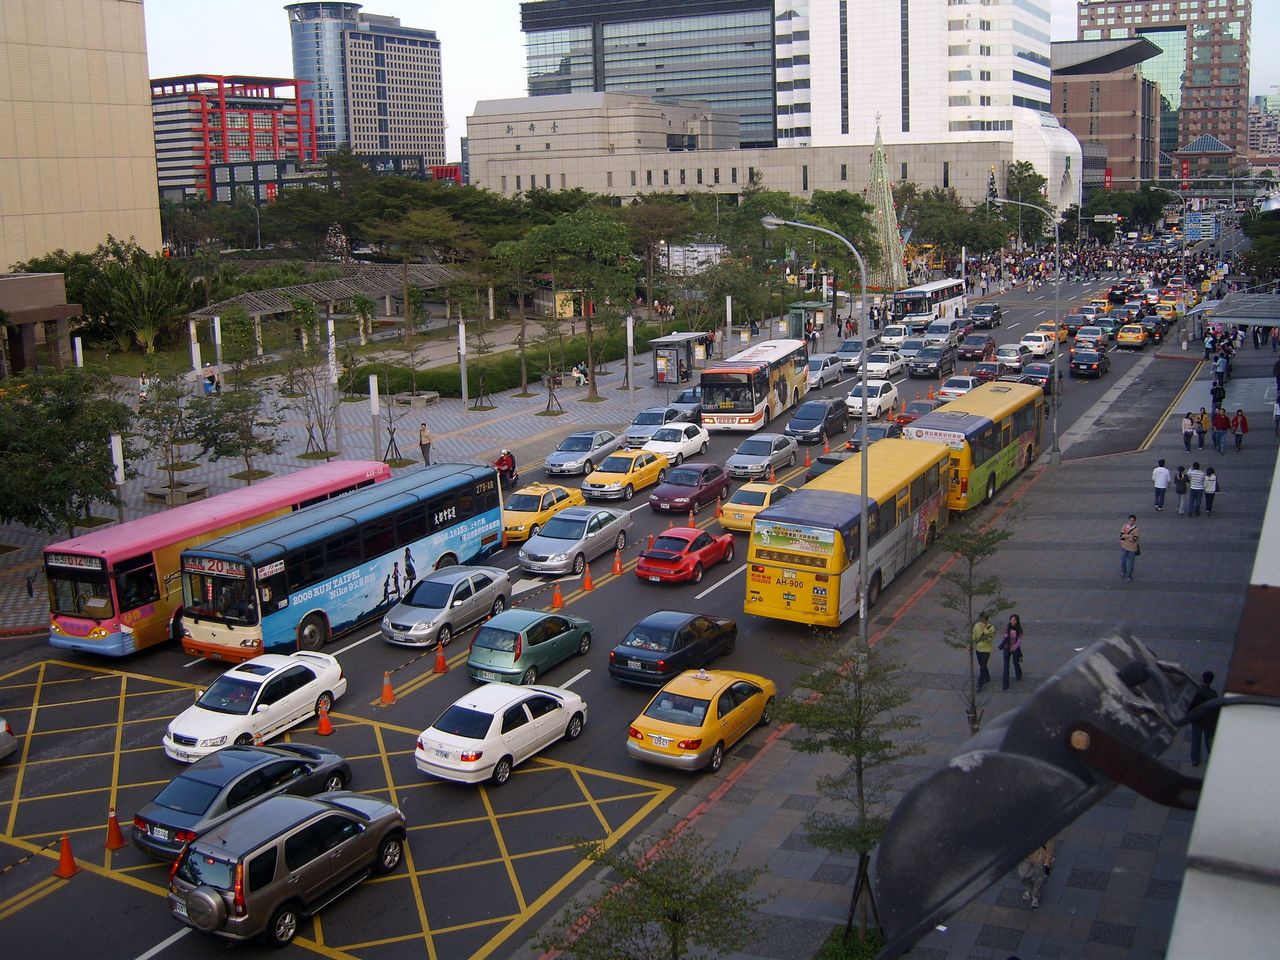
(519, 646)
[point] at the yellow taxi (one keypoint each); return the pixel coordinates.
(1167, 308)
(1132, 335)
(622, 473)
(695, 718)
(526, 510)
(1102, 303)
(748, 500)
(1051, 328)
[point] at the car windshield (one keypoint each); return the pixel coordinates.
(930, 353)
(958, 383)
(874, 431)
(895, 330)
(982, 309)
(187, 795)
(229, 695)
(692, 395)
(880, 357)
(851, 346)
(615, 465)
(816, 365)
(755, 448)
(1038, 369)
(647, 638)
(670, 544)
(668, 435)
(523, 502)
(920, 407)
(811, 411)
(873, 390)
(202, 870)
(464, 722)
(977, 341)
(495, 638)
(574, 445)
(913, 344)
(748, 498)
(564, 528)
(430, 595)
(647, 419)
(683, 478)
(677, 708)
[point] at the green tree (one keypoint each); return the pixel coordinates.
(1263, 231)
(55, 433)
(161, 425)
(148, 297)
(850, 215)
(365, 309)
(1024, 184)
(512, 261)
(675, 895)
(971, 591)
(239, 344)
(307, 376)
(651, 222)
(851, 706)
(234, 424)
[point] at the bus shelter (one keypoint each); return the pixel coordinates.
(803, 313)
(677, 355)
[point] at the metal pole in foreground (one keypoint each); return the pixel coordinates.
(373, 413)
(772, 223)
(631, 352)
(117, 472)
(462, 356)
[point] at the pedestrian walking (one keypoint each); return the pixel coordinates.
(1202, 427)
(1160, 478)
(1275, 411)
(983, 634)
(1221, 425)
(1210, 490)
(1189, 429)
(1130, 548)
(1275, 372)
(1217, 394)
(1011, 647)
(1195, 480)
(1034, 870)
(1206, 724)
(424, 444)
(1239, 427)
(210, 378)
(144, 391)
(1180, 488)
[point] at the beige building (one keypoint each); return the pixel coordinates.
(626, 146)
(77, 151)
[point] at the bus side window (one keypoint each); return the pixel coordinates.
(904, 506)
(136, 582)
(851, 543)
(918, 491)
(442, 512)
(379, 538)
(932, 480)
(466, 504)
(1006, 433)
(273, 592)
(342, 552)
(888, 518)
(411, 525)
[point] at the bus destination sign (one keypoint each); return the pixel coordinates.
(72, 560)
(214, 566)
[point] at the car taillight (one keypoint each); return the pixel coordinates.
(662, 666)
(184, 836)
(613, 657)
(689, 744)
(634, 734)
(173, 869)
(421, 745)
(519, 647)
(140, 824)
(470, 756)
(238, 899)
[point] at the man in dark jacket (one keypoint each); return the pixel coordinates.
(1204, 726)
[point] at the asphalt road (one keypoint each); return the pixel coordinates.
(487, 866)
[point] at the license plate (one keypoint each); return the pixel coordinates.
(739, 516)
(400, 637)
(486, 675)
(442, 753)
(665, 506)
(160, 833)
(633, 664)
(655, 579)
(180, 909)
(660, 741)
(183, 755)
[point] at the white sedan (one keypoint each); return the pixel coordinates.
(255, 701)
(881, 398)
(678, 441)
(957, 387)
(884, 364)
(1040, 344)
(494, 727)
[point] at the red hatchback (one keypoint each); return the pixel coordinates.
(683, 553)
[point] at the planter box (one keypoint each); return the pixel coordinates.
(182, 493)
(423, 399)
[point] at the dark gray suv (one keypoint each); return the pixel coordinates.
(261, 873)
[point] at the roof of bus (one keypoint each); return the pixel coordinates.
(765, 352)
(267, 540)
(980, 406)
(825, 501)
(931, 286)
(178, 523)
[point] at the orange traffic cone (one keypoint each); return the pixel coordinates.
(388, 691)
(808, 460)
(773, 474)
(692, 521)
(442, 665)
(325, 727)
(66, 861)
(557, 599)
(650, 546)
(670, 521)
(586, 579)
(719, 508)
(931, 393)
(617, 563)
(826, 445)
(115, 839)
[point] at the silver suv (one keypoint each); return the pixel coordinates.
(260, 873)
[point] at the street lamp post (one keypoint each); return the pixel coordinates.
(1055, 453)
(1185, 279)
(257, 224)
(772, 223)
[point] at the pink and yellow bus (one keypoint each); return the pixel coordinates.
(118, 590)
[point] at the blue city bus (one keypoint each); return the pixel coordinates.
(294, 582)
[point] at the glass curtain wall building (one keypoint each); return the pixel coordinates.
(718, 51)
(316, 31)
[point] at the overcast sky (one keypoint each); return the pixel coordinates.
(481, 45)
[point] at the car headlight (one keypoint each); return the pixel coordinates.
(424, 627)
(559, 557)
(613, 486)
(213, 742)
(518, 527)
(386, 623)
(682, 500)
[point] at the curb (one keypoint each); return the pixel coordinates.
(13, 633)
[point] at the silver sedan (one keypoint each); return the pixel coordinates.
(757, 454)
(445, 602)
(8, 740)
(574, 537)
(580, 452)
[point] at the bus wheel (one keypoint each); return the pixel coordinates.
(448, 560)
(991, 488)
(873, 591)
(313, 633)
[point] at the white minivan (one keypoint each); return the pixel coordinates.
(944, 331)
(894, 334)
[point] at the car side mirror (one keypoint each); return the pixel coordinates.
(262, 708)
(458, 603)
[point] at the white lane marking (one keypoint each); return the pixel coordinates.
(192, 663)
(164, 944)
(1012, 325)
(525, 585)
(721, 582)
(354, 644)
(1041, 313)
(576, 677)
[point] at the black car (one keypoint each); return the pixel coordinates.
(875, 431)
(826, 462)
(1089, 363)
(668, 642)
(1119, 293)
(986, 316)
(1040, 374)
(1073, 322)
(219, 786)
(816, 420)
(936, 361)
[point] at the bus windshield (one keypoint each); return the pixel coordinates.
(228, 599)
(79, 592)
(728, 392)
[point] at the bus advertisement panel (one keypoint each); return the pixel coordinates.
(803, 554)
(993, 432)
(116, 590)
(293, 583)
(747, 390)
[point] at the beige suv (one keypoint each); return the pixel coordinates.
(261, 873)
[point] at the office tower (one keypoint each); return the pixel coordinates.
(716, 51)
(376, 84)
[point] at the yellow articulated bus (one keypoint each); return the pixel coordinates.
(994, 432)
(802, 559)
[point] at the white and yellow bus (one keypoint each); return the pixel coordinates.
(744, 392)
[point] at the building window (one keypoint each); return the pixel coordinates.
(562, 181)
(804, 176)
(504, 184)
(733, 174)
(666, 178)
(715, 175)
(903, 174)
(546, 146)
(699, 175)
(904, 59)
(608, 179)
(648, 178)
(517, 183)
(548, 181)
(946, 174)
(682, 176)
(844, 172)
(633, 178)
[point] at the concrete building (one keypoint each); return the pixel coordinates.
(1202, 69)
(376, 84)
(37, 321)
(77, 156)
(717, 51)
(1264, 126)
(1101, 95)
(204, 120)
(626, 146)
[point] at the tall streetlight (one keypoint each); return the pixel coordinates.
(1186, 280)
(1055, 453)
(773, 223)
